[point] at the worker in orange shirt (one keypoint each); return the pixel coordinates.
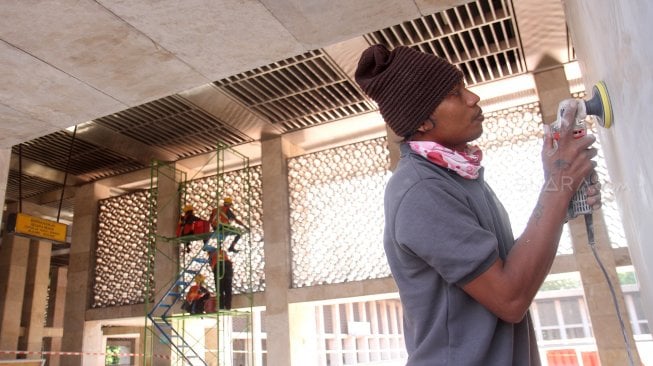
(186, 224)
(196, 296)
(222, 219)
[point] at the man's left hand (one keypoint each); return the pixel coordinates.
(594, 192)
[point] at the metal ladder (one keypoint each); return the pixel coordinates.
(161, 315)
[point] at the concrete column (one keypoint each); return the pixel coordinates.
(278, 272)
(58, 283)
(375, 344)
(321, 337)
(349, 341)
(302, 331)
(80, 272)
(165, 259)
(552, 87)
(394, 330)
(14, 253)
(385, 329)
(362, 343)
(139, 348)
(335, 358)
(5, 157)
(36, 294)
(257, 339)
(94, 344)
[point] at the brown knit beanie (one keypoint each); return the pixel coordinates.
(406, 84)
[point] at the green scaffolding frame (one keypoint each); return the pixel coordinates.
(165, 322)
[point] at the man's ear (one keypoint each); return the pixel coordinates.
(426, 126)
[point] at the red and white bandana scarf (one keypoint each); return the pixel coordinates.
(466, 163)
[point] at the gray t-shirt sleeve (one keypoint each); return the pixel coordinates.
(437, 223)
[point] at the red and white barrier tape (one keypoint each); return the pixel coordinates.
(77, 353)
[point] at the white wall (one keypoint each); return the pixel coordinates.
(613, 43)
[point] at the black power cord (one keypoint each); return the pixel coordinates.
(589, 225)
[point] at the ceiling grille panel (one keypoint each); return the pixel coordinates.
(479, 37)
(52, 150)
(66, 204)
(86, 159)
(27, 186)
(298, 92)
(174, 124)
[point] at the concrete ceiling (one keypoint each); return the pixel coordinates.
(67, 62)
(167, 80)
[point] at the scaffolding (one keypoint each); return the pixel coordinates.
(208, 337)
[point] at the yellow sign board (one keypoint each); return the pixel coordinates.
(40, 228)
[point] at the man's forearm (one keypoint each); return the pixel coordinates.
(530, 260)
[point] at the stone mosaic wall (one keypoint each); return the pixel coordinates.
(336, 218)
(121, 253)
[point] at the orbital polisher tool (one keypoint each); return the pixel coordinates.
(599, 105)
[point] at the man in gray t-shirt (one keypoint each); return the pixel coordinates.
(465, 283)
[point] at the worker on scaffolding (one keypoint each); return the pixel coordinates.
(221, 220)
(189, 224)
(186, 224)
(196, 296)
(223, 274)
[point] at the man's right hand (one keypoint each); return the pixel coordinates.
(567, 160)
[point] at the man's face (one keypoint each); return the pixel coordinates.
(458, 119)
